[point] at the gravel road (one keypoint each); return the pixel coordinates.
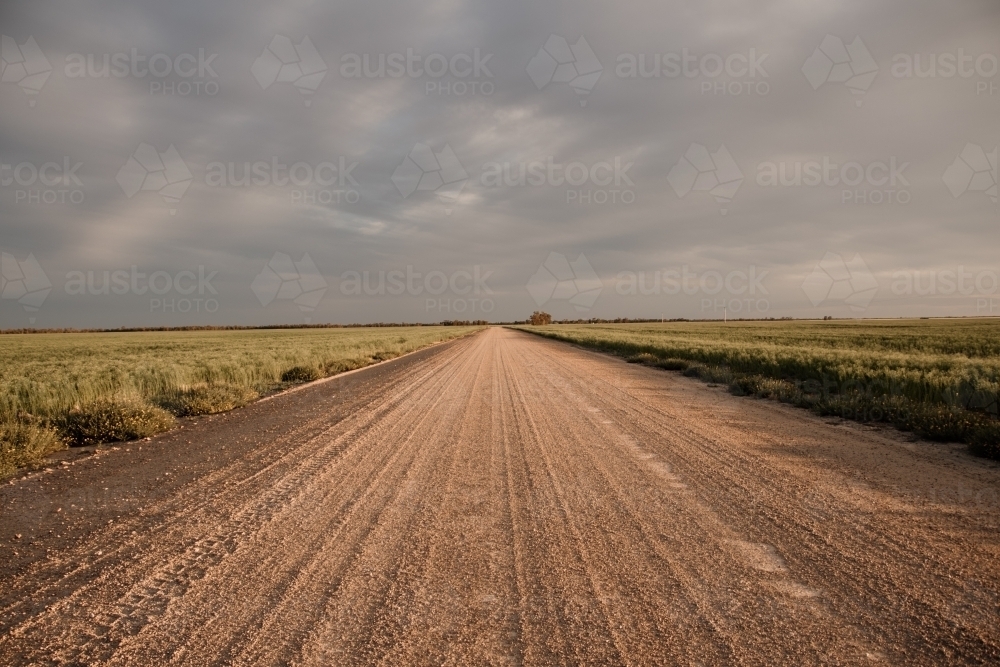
(505, 499)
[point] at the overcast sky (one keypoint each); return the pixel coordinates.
(660, 143)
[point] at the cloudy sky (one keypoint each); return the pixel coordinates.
(166, 164)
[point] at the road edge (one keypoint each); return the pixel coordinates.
(313, 383)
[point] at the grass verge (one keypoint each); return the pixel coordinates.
(113, 420)
(25, 444)
(76, 389)
(937, 380)
(206, 399)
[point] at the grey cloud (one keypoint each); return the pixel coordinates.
(366, 223)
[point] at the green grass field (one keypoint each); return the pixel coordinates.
(939, 378)
(59, 389)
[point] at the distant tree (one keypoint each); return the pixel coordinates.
(538, 317)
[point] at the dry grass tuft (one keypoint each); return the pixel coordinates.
(113, 420)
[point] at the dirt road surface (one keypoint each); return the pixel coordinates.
(506, 499)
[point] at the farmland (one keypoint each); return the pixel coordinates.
(87, 388)
(938, 378)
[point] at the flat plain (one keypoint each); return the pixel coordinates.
(506, 499)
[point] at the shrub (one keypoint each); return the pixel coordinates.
(301, 374)
(207, 399)
(693, 370)
(748, 385)
(672, 364)
(719, 374)
(25, 444)
(113, 420)
(765, 387)
(642, 358)
(333, 367)
(986, 441)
